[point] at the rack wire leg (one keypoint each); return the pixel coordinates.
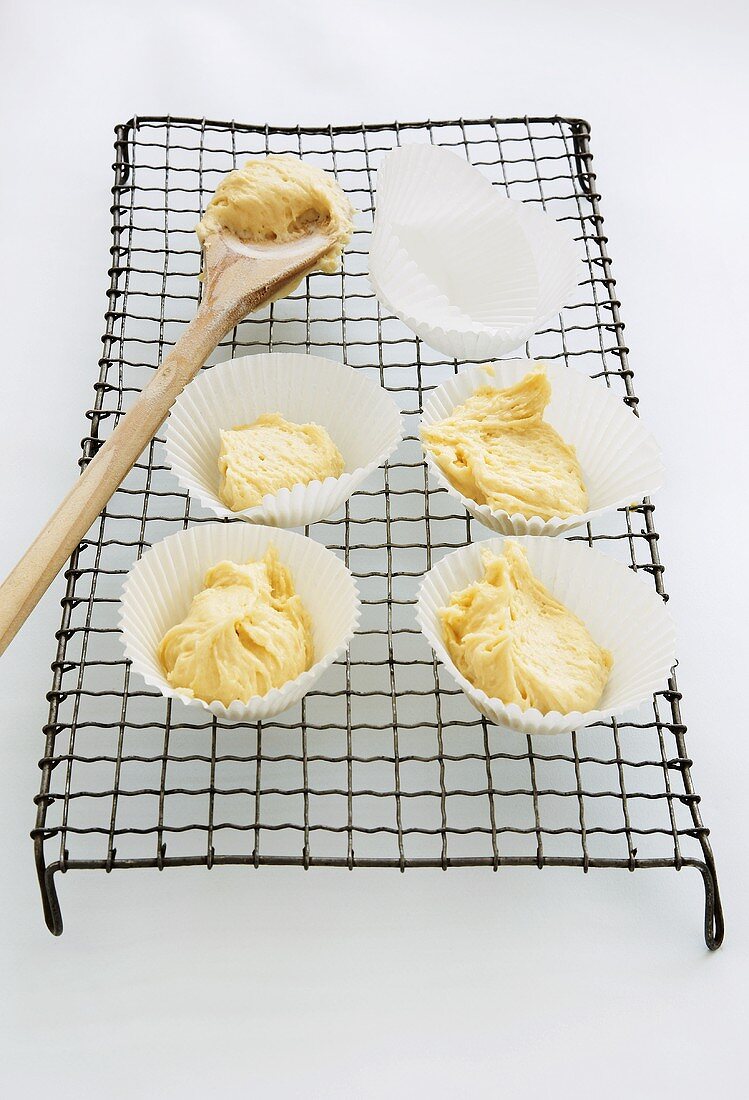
(714, 926)
(50, 901)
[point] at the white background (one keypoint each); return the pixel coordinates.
(280, 983)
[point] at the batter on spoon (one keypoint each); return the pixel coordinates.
(278, 199)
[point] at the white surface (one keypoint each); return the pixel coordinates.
(371, 984)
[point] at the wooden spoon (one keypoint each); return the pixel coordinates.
(239, 278)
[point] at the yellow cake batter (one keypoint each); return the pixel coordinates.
(245, 633)
(272, 454)
(509, 637)
(279, 199)
(497, 449)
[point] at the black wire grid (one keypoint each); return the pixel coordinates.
(385, 764)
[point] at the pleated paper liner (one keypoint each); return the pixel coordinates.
(621, 610)
(160, 587)
(359, 415)
(620, 460)
(471, 272)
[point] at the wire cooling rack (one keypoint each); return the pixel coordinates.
(386, 764)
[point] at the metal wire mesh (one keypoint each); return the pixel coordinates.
(386, 763)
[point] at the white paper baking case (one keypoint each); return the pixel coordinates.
(360, 416)
(160, 587)
(620, 460)
(473, 273)
(622, 611)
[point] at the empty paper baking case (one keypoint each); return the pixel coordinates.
(620, 460)
(360, 416)
(622, 611)
(473, 273)
(160, 587)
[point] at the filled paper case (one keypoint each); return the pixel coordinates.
(619, 458)
(622, 613)
(360, 417)
(161, 585)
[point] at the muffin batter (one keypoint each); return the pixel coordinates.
(245, 633)
(497, 449)
(279, 199)
(272, 454)
(511, 638)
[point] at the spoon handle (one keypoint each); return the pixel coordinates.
(32, 576)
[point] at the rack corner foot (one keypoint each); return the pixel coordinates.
(714, 926)
(50, 901)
